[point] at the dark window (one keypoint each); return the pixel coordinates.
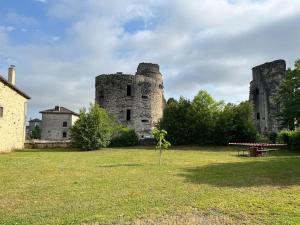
(128, 90)
(256, 91)
(64, 134)
(1, 112)
(258, 116)
(128, 114)
(144, 97)
(101, 94)
(145, 121)
(65, 124)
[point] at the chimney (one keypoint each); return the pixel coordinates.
(12, 75)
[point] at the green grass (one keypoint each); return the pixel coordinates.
(122, 185)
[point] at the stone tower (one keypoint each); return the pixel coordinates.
(266, 80)
(136, 101)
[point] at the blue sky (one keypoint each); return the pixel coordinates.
(59, 46)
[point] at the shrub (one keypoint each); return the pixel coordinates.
(272, 137)
(260, 138)
(285, 136)
(94, 129)
(125, 137)
(291, 138)
(295, 142)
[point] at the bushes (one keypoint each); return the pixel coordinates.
(291, 138)
(94, 129)
(125, 137)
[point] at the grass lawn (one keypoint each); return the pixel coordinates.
(127, 185)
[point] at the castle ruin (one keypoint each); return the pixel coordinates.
(136, 101)
(263, 88)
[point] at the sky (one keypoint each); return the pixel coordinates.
(60, 46)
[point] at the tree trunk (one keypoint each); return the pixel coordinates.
(160, 152)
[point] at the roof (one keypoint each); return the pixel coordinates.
(4, 81)
(35, 120)
(59, 110)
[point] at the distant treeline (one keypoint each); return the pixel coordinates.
(207, 121)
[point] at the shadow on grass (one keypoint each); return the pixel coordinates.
(121, 165)
(270, 172)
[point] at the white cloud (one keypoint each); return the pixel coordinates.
(7, 28)
(42, 1)
(210, 44)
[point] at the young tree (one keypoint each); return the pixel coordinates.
(94, 129)
(36, 133)
(289, 98)
(162, 143)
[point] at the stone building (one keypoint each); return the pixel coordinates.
(263, 88)
(13, 107)
(136, 101)
(56, 123)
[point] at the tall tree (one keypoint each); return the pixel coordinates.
(177, 122)
(289, 98)
(204, 113)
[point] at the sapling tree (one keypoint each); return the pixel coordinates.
(162, 143)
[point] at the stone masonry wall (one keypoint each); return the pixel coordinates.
(12, 124)
(52, 126)
(263, 89)
(146, 100)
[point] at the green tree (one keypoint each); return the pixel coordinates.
(289, 98)
(162, 143)
(36, 133)
(204, 113)
(177, 122)
(94, 128)
(243, 129)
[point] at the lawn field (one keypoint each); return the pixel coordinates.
(117, 186)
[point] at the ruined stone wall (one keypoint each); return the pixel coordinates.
(12, 124)
(145, 99)
(266, 80)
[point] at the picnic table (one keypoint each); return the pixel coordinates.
(257, 149)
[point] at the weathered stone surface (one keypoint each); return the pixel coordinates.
(145, 99)
(12, 124)
(263, 88)
(56, 123)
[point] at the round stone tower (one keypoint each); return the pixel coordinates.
(136, 101)
(151, 102)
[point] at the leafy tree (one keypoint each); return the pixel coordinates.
(171, 100)
(36, 133)
(177, 122)
(289, 98)
(207, 121)
(243, 126)
(204, 113)
(94, 128)
(223, 131)
(162, 143)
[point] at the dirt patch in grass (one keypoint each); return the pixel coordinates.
(193, 218)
